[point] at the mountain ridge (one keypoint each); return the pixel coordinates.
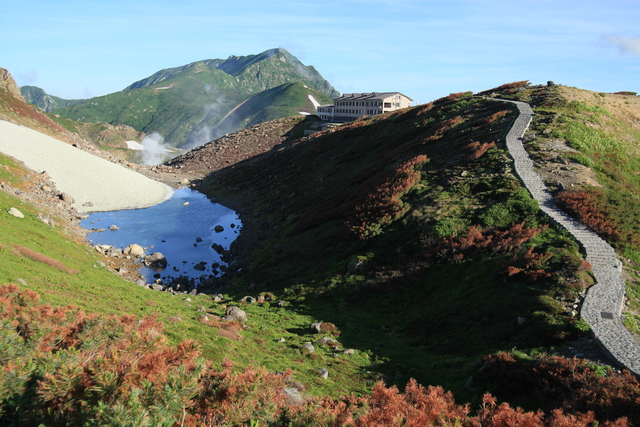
(186, 104)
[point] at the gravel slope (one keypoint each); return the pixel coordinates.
(88, 179)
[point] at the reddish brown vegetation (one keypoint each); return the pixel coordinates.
(476, 240)
(508, 87)
(383, 205)
(582, 205)
(38, 257)
(71, 368)
(479, 149)
(570, 385)
(431, 406)
(491, 118)
(528, 265)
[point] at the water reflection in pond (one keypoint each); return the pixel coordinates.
(183, 228)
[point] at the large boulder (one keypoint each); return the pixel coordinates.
(134, 250)
(155, 260)
(236, 313)
(15, 212)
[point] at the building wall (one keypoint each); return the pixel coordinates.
(348, 110)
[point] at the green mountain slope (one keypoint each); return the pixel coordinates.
(186, 104)
(287, 100)
(38, 97)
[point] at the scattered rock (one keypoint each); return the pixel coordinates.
(174, 319)
(354, 265)
(308, 348)
(156, 260)
(15, 212)
(323, 327)
(157, 287)
(248, 299)
(327, 341)
(349, 352)
(236, 313)
(323, 373)
(114, 227)
(218, 229)
(134, 250)
(293, 397)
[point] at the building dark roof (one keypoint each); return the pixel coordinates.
(368, 96)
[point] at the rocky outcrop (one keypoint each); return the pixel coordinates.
(237, 146)
(7, 83)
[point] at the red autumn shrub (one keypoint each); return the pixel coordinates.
(382, 205)
(582, 205)
(570, 385)
(477, 240)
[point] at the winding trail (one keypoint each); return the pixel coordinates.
(603, 303)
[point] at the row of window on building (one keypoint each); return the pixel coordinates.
(360, 103)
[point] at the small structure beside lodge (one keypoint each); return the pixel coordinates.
(352, 106)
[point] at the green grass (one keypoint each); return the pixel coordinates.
(405, 315)
(97, 290)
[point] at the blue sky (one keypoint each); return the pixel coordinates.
(423, 48)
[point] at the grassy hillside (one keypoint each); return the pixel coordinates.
(287, 100)
(451, 250)
(407, 232)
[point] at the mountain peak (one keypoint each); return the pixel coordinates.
(7, 82)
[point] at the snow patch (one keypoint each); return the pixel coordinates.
(133, 145)
(304, 113)
(313, 100)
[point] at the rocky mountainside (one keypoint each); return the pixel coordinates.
(242, 145)
(8, 84)
(199, 102)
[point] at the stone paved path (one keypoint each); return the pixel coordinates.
(603, 303)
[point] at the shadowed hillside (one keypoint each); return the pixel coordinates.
(399, 246)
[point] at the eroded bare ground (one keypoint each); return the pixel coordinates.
(556, 168)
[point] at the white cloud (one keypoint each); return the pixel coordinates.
(626, 45)
(27, 77)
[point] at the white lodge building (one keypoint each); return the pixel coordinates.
(351, 106)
